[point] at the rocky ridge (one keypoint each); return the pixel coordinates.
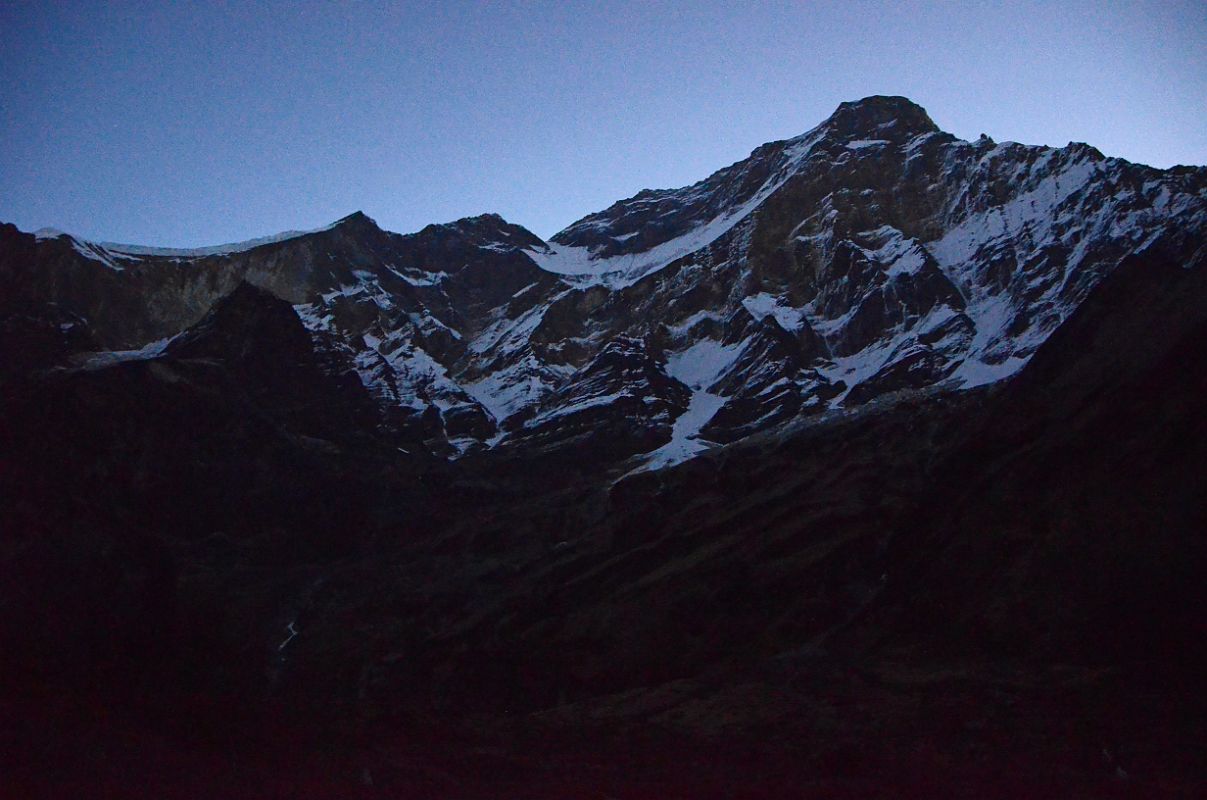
(871, 255)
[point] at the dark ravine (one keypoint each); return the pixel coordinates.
(362, 514)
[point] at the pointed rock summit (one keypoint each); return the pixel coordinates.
(357, 220)
(880, 117)
(486, 230)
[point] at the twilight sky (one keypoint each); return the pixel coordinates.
(192, 124)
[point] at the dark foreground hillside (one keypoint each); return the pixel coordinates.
(220, 577)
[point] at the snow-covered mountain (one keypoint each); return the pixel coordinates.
(871, 255)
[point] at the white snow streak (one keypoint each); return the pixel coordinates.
(685, 441)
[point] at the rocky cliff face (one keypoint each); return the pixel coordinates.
(873, 254)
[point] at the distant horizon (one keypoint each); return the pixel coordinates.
(189, 127)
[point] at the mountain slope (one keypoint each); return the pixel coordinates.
(870, 255)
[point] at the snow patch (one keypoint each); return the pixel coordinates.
(145, 353)
(314, 317)
(506, 391)
(974, 372)
(763, 305)
(573, 408)
(685, 434)
(861, 144)
(702, 364)
(214, 250)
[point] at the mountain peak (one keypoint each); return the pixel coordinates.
(880, 116)
(487, 221)
(246, 315)
(356, 220)
(486, 229)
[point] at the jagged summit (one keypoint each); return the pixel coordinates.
(639, 235)
(484, 230)
(488, 218)
(879, 117)
(356, 220)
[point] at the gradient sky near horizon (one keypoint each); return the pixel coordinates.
(183, 124)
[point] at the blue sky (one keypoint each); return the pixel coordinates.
(193, 124)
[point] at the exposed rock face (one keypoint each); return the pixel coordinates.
(623, 398)
(870, 255)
